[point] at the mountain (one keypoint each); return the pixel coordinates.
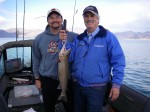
(34, 32)
(4, 33)
(133, 35)
(28, 33)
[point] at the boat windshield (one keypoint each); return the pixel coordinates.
(17, 58)
(23, 53)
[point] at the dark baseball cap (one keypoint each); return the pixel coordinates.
(91, 9)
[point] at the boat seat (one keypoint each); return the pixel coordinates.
(3, 104)
(23, 101)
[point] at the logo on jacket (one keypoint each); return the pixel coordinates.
(52, 47)
(99, 45)
(81, 44)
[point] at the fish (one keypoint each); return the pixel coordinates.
(63, 72)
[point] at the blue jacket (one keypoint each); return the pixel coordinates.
(93, 62)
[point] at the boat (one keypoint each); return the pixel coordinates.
(17, 76)
(17, 87)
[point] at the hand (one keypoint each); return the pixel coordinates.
(38, 84)
(63, 35)
(114, 93)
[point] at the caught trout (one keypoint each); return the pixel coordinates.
(63, 72)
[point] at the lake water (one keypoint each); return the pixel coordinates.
(137, 72)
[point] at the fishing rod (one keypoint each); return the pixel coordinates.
(16, 22)
(23, 33)
(75, 12)
(23, 19)
(17, 31)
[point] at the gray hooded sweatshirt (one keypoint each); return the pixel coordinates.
(45, 53)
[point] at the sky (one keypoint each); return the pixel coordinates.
(115, 15)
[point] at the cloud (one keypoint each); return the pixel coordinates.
(119, 16)
(128, 16)
(2, 1)
(3, 21)
(7, 23)
(141, 24)
(2, 18)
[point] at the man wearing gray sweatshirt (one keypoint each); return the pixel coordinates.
(45, 58)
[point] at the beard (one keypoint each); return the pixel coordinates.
(53, 26)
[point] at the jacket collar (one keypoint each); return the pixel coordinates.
(100, 34)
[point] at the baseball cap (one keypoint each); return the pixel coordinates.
(91, 9)
(54, 10)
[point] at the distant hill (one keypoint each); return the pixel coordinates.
(28, 33)
(133, 35)
(4, 33)
(34, 32)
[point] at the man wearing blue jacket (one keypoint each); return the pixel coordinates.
(45, 59)
(95, 54)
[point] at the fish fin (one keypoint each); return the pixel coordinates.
(62, 97)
